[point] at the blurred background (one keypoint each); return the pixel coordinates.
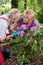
(36, 5)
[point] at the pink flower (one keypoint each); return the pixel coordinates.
(30, 37)
(21, 33)
(28, 34)
(41, 39)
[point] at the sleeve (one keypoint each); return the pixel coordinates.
(3, 28)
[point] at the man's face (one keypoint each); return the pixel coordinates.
(27, 18)
(13, 20)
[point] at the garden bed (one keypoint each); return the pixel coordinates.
(13, 61)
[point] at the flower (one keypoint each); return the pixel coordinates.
(30, 37)
(29, 47)
(35, 42)
(23, 56)
(28, 34)
(42, 39)
(21, 33)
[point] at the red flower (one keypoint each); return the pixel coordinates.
(29, 47)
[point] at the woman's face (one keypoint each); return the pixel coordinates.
(27, 19)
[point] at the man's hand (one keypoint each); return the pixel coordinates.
(9, 37)
(2, 40)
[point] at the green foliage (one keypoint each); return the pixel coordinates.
(40, 16)
(5, 6)
(27, 47)
(36, 5)
(21, 6)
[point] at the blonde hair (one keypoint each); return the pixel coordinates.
(13, 13)
(31, 12)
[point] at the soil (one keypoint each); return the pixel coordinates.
(13, 61)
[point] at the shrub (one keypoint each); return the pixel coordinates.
(40, 16)
(29, 46)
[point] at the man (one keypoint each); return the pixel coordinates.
(7, 21)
